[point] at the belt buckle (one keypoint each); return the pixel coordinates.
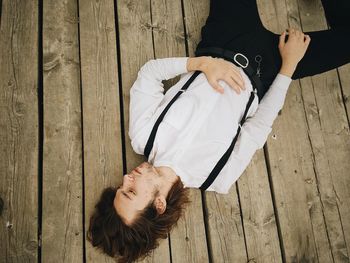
(239, 63)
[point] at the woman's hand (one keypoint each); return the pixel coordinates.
(293, 50)
(216, 69)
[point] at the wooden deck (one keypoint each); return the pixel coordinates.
(66, 68)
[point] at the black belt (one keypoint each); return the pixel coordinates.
(237, 58)
(221, 163)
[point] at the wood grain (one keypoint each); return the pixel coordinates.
(293, 177)
(62, 228)
(19, 131)
(330, 138)
(103, 156)
(136, 48)
(259, 219)
(302, 175)
(301, 212)
(344, 76)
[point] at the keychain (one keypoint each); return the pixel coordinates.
(258, 60)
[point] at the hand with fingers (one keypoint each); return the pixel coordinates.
(216, 69)
(292, 50)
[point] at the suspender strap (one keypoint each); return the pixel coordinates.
(221, 163)
(256, 85)
(150, 141)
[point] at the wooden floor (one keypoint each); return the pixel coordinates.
(66, 68)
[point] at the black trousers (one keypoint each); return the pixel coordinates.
(236, 25)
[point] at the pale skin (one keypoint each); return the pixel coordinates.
(146, 182)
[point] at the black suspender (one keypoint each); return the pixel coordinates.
(150, 141)
(221, 163)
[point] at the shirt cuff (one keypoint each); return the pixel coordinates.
(180, 64)
(283, 81)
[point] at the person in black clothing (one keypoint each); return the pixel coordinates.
(236, 25)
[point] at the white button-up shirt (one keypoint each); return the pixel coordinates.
(200, 125)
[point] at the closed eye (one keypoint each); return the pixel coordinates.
(126, 195)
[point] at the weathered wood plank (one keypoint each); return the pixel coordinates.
(330, 139)
(136, 48)
(19, 131)
(62, 236)
(259, 218)
(297, 201)
(188, 240)
(295, 190)
(168, 29)
(195, 15)
(344, 76)
(294, 173)
(225, 227)
(103, 165)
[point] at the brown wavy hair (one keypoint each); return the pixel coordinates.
(126, 243)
